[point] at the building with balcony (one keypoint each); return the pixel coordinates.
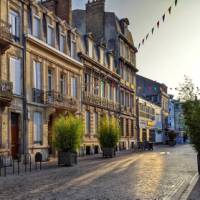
(100, 90)
(113, 33)
(40, 75)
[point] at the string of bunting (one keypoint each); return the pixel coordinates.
(157, 25)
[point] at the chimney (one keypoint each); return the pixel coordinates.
(95, 11)
(61, 8)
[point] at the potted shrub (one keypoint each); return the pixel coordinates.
(172, 138)
(67, 138)
(108, 135)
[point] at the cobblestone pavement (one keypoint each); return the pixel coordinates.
(146, 175)
(195, 194)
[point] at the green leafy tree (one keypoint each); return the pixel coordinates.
(67, 133)
(109, 132)
(191, 109)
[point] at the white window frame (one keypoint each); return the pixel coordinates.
(37, 33)
(74, 87)
(16, 29)
(16, 75)
(37, 128)
(62, 45)
(37, 74)
(50, 38)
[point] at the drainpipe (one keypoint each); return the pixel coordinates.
(24, 129)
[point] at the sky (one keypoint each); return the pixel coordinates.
(174, 49)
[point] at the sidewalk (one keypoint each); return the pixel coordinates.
(195, 194)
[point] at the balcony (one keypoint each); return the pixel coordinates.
(5, 36)
(38, 96)
(60, 102)
(6, 94)
(99, 101)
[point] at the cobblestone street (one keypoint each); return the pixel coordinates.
(149, 175)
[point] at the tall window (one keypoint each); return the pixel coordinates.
(103, 89)
(127, 100)
(50, 35)
(102, 57)
(109, 91)
(87, 125)
(127, 127)
(15, 24)
(16, 75)
(87, 82)
(122, 126)
(96, 86)
(122, 98)
(62, 43)
(36, 26)
(132, 128)
(37, 121)
(62, 84)
(131, 101)
(50, 79)
(37, 71)
(96, 122)
(90, 48)
(74, 87)
(73, 46)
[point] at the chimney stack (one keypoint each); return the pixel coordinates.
(61, 8)
(95, 11)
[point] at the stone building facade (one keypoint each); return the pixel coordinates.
(108, 30)
(39, 58)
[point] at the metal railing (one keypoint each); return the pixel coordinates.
(6, 90)
(5, 30)
(100, 101)
(59, 100)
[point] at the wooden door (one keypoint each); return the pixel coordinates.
(14, 134)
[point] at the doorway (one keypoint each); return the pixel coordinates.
(15, 135)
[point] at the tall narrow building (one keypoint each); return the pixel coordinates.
(114, 33)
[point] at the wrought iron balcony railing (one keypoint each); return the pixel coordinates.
(5, 35)
(38, 96)
(6, 91)
(99, 101)
(59, 100)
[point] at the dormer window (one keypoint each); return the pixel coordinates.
(50, 35)
(102, 57)
(90, 48)
(73, 46)
(36, 26)
(111, 62)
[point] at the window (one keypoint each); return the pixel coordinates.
(90, 48)
(15, 75)
(62, 43)
(96, 122)
(96, 86)
(131, 101)
(122, 98)
(127, 127)
(102, 58)
(122, 126)
(111, 63)
(127, 100)
(102, 89)
(36, 27)
(73, 46)
(62, 84)
(15, 24)
(74, 87)
(87, 82)
(50, 35)
(37, 122)
(50, 79)
(37, 71)
(132, 128)
(109, 91)
(87, 125)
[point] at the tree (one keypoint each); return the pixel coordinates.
(191, 109)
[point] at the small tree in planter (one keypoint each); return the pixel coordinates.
(191, 109)
(67, 138)
(108, 135)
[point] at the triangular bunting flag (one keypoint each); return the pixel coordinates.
(176, 1)
(139, 45)
(163, 17)
(147, 36)
(152, 30)
(158, 24)
(143, 41)
(170, 10)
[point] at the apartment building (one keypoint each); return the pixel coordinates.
(114, 33)
(39, 58)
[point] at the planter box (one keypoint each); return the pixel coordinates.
(67, 158)
(108, 152)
